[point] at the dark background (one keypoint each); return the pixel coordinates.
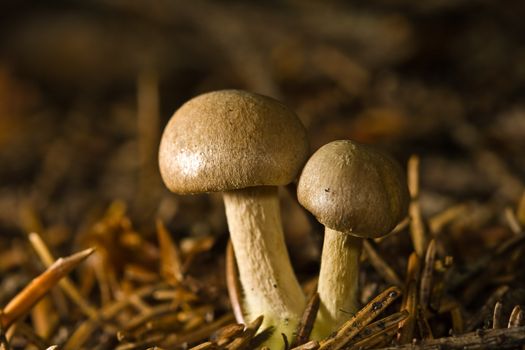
(87, 86)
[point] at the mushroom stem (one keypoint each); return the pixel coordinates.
(338, 282)
(269, 283)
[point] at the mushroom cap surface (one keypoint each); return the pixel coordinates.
(353, 188)
(231, 139)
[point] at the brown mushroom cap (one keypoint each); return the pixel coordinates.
(231, 139)
(354, 188)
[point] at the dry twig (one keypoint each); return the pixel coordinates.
(417, 227)
(381, 266)
(493, 339)
(170, 261)
(306, 324)
(516, 317)
(485, 311)
(409, 303)
(30, 295)
(360, 320)
(496, 316)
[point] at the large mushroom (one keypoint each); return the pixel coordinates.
(243, 145)
(356, 192)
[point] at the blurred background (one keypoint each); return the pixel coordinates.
(87, 86)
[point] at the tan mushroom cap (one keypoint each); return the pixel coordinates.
(231, 139)
(354, 188)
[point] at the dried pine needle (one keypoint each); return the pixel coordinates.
(486, 310)
(417, 228)
(409, 303)
(206, 346)
(361, 319)
(381, 266)
(516, 317)
(66, 284)
(438, 222)
(427, 275)
(306, 323)
(520, 210)
(375, 330)
(30, 295)
(226, 334)
(170, 261)
(311, 345)
(512, 221)
(496, 315)
(458, 323)
(243, 341)
(505, 338)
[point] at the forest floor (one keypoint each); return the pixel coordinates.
(87, 87)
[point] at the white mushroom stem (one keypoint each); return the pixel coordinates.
(338, 282)
(269, 283)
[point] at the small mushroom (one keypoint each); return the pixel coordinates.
(356, 192)
(244, 145)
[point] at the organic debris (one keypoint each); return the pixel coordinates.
(87, 87)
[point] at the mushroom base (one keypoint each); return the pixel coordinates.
(338, 282)
(269, 283)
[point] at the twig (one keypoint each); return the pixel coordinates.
(409, 303)
(4, 343)
(66, 284)
(43, 318)
(427, 275)
(380, 265)
(496, 316)
(170, 262)
(205, 346)
(311, 345)
(38, 287)
(143, 317)
(487, 308)
(243, 341)
(382, 339)
(424, 327)
(226, 334)
(370, 341)
(374, 330)
(504, 248)
(505, 338)
(443, 267)
(139, 345)
(512, 221)
(199, 334)
(516, 317)
(306, 324)
(520, 210)
(437, 222)
(85, 330)
(361, 319)
(417, 228)
(29, 334)
(458, 324)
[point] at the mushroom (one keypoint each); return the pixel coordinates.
(356, 192)
(243, 145)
